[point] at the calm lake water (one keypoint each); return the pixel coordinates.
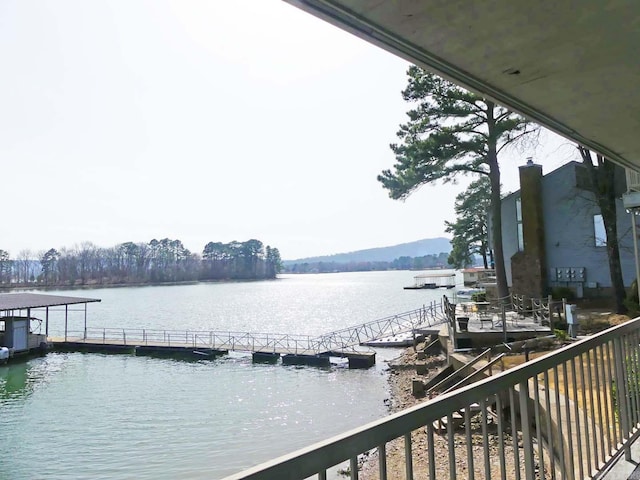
(90, 416)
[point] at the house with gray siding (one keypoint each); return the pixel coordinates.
(553, 233)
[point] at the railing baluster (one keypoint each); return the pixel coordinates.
(514, 433)
(629, 375)
(610, 384)
(525, 425)
(550, 431)
(625, 378)
(536, 412)
(572, 467)
(576, 409)
(621, 393)
(322, 475)
(467, 431)
(485, 436)
(601, 388)
(563, 464)
(635, 375)
(382, 461)
(431, 453)
(592, 410)
(408, 457)
(635, 349)
(353, 466)
(501, 457)
(452, 447)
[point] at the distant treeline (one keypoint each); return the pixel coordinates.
(401, 263)
(157, 261)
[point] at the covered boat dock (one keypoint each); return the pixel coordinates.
(433, 280)
(21, 331)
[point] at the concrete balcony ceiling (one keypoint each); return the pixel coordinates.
(571, 66)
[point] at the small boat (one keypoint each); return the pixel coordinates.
(468, 292)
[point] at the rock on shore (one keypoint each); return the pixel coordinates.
(402, 375)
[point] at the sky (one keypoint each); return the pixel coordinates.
(206, 121)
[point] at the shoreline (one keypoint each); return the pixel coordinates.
(97, 286)
(402, 372)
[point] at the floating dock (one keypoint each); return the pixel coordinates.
(433, 281)
(193, 351)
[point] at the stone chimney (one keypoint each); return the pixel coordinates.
(529, 270)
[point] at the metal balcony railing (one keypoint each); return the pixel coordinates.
(566, 415)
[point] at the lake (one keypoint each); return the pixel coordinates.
(120, 416)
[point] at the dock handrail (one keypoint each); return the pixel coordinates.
(345, 339)
(580, 403)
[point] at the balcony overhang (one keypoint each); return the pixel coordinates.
(572, 67)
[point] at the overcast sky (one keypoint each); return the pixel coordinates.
(205, 121)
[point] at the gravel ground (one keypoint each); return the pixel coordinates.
(401, 376)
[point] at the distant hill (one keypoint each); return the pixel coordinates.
(419, 248)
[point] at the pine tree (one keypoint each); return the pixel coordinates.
(450, 132)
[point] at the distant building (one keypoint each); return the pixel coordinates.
(553, 234)
(476, 275)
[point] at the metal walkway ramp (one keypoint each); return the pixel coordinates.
(424, 317)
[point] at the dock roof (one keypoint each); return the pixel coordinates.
(21, 301)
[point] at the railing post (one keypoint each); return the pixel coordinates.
(124, 336)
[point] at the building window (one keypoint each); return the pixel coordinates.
(599, 232)
(519, 225)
